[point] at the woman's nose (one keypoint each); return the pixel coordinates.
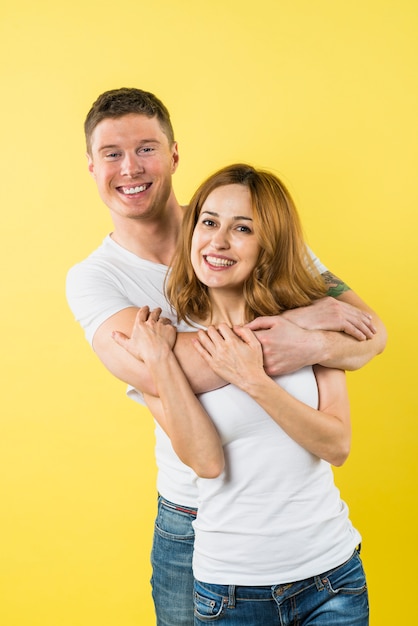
(220, 239)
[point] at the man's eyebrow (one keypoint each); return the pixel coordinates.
(235, 217)
(108, 147)
(117, 147)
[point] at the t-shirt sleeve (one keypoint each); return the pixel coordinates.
(319, 266)
(93, 296)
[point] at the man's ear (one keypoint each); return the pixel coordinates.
(175, 157)
(90, 165)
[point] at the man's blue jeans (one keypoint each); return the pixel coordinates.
(335, 598)
(171, 558)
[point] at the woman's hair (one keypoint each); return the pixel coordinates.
(284, 276)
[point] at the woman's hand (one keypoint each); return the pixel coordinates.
(152, 336)
(234, 354)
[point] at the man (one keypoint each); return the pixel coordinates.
(132, 156)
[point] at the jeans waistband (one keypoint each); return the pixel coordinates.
(177, 507)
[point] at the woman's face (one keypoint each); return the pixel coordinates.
(225, 248)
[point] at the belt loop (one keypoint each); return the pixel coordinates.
(320, 584)
(231, 596)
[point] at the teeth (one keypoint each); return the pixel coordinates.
(133, 190)
(219, 262)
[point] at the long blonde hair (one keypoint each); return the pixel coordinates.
(284, 276)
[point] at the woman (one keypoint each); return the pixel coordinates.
(274, 544)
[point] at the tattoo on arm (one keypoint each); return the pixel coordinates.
(335, 286)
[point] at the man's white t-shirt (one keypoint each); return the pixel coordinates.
(111, 279)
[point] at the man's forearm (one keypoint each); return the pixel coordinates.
(344, 352)
(200, 376)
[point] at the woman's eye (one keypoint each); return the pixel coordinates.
(244, 229)
(208, 222)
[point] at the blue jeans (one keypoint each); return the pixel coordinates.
(171, 559)
(335, 598)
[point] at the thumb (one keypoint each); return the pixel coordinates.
(260, 323)
(120, 338)
(244, 333)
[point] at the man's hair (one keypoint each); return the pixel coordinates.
(284, 276)
(119, 102)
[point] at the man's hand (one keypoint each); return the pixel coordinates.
(331, 314)
(286, 346)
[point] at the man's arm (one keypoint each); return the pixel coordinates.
(345, 352)
(134, 372)
(297, 338)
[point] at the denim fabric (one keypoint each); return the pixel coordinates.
(171, 558)
(335, 598)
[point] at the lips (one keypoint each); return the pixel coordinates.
(134, 189)
(215, 261)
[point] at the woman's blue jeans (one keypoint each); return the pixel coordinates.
(171, 559)
(335, 598)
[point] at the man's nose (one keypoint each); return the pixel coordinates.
(131, 165)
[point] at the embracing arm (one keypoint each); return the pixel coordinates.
(340, 331)
(342, 350)
(324, 432)
(134, 372)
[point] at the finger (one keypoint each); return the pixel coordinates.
(214, 334)
(260, 323)
(359, 328)
(142, 314)
(120, 338)
(369, 324)
(352, 330)
(246, 334)
(204, 340)
(155, 314)
(368, 331)
(201, 349)
(224, 331)
(165, 320)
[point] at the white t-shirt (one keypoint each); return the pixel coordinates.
(274, 515)
(112, 279)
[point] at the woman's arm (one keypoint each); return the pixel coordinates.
(177, 410)
(325, 432)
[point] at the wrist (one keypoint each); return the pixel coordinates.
(321, 345)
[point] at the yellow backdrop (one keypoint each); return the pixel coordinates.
(325, 94)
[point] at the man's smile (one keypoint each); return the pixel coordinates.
(134, 189)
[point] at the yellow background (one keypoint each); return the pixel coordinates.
(325, 94)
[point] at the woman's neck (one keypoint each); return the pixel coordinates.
(228, 308)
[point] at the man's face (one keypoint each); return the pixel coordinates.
(132, 163)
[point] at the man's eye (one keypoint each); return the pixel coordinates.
(147, 150)
(112, 155)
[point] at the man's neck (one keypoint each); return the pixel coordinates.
(153, 240)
